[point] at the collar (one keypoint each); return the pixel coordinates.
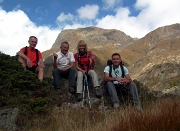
(115, 67)
(64, 54)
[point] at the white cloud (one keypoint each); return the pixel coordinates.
(153, 14)
(17, 7)
(110, 4)
(62, 17)
(88, 12)
(41, 11)
(16, 28)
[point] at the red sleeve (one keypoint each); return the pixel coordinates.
(23, 49)
(90, 55)
(75, 57)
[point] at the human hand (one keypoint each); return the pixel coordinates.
(55, 55)
(64, 69)
(84, 72)
(122, 80)
(41, 65)
(29, 63)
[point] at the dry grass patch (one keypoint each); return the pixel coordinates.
(162, 115)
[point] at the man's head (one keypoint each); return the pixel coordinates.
(64, 47)
(32, 42)
(116, 59)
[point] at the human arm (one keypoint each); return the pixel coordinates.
(79, 69)
(22, 55)
(54, 60)
(108, 78)
(68, 67)
(41, 63)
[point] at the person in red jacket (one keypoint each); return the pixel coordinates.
(29, 59)
(83, 65)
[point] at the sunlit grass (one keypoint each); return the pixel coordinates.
(162, 115)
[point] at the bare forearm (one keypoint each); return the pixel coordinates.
(70, 66)
(110, 79)
(54, 63)
(21, 54)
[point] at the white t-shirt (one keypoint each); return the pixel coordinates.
(116, 73)
(64, 60)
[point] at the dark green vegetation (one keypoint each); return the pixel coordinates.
(22, 89)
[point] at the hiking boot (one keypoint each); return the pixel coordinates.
(98, 93)
(116, 105)
(138, 107)
(80, 96)
(72, 90)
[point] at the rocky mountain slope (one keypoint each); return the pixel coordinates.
(153, 60)
(157, 58)
(101, 42)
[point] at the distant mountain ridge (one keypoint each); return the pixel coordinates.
(153, 60)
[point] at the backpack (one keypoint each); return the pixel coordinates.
(87, 56)
(109, 63)
(26, 52)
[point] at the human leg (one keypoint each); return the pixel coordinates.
(72, 80)
(22, 61)
(40, 72)
(134, 93)
(112, 92)
(79, 85)
(79, 82)
(56, 76)
(72, 77)
(94, 78)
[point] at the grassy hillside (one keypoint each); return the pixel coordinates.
(41, 108)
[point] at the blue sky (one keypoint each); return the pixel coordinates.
(45, 19)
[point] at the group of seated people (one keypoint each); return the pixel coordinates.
(64, 62)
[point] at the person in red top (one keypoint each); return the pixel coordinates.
(83, 65)
(29, 61)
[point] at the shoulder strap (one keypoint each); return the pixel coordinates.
(26, 50)
(37, 56)
(122, 69)
(110, 70)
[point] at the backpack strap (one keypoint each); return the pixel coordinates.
(26, 50)
(37, 56)
(122, 70)
(79, 60)
(110, 70)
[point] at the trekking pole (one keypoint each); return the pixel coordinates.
(89, 99)
(84, 89)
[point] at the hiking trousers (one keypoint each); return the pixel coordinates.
(93, 76)
(110, 87)
(68, 74)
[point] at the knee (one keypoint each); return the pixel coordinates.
(79, 74)
(109, 83)
(40, 69)
(92, 73)
(132, 86)
(55, 71)
(72, 70)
